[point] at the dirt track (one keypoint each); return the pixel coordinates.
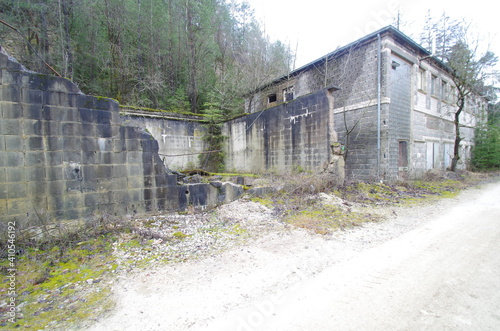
(434, 267)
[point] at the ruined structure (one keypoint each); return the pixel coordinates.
(292, 135)
(393, 109)
(65, 156)
(179, 136)
(382, 103)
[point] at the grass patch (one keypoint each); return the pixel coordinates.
(444, 187)
(179, 235)
(400, 192)
(269, 203)
(325, 220)
(296, 198)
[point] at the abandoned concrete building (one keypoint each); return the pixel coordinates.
(383, 99)
(393, 105)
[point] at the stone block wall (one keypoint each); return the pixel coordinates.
(355, 73)
(67, 156)
(361, 145)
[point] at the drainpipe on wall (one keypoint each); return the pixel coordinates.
(379, 67)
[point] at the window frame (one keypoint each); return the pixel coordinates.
(287, 92)
(434, 80)
(422, 79)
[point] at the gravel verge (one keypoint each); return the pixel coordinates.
(224, 271)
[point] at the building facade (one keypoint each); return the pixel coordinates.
(394, 106)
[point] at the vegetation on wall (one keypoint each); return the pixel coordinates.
(148, 53)
(213, 159)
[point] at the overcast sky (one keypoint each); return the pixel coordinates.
(317, 27)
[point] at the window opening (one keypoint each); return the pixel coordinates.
(288, 94)
(403, 155)
(444, 91)
(421, 80)
(271, 98)
(433, 84)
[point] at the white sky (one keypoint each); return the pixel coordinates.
(317, 27)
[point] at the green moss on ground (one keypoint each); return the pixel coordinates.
(62, 284)
(59, 288)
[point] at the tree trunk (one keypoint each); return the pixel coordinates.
(192, 65)
(458, 139)
(66, 6)
(114, 39)
(140, 62)
(44, 40)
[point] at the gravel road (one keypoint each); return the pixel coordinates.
(431, 267)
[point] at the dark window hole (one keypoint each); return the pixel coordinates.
(271, 98)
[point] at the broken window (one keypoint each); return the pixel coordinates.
(453, 94)
(271, 98)
(421, 80)
(444, 91)
(433, 84)
(288, 94)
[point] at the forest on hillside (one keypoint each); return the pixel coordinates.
(182, 55)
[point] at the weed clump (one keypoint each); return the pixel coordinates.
(297, 199)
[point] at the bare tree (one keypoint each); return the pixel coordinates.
(469, 74)
(470, 68)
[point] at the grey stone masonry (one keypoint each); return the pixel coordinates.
(68, 156)
(393, 109)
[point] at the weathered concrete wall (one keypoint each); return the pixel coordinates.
(180, 139)
(399, 119)
(68, 156)
(291, 135)
(411, 114)
(432, 121)
(354, 72)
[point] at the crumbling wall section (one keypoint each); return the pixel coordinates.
(180, 139)
(65, 155)
(293, 135)
(68, 156)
